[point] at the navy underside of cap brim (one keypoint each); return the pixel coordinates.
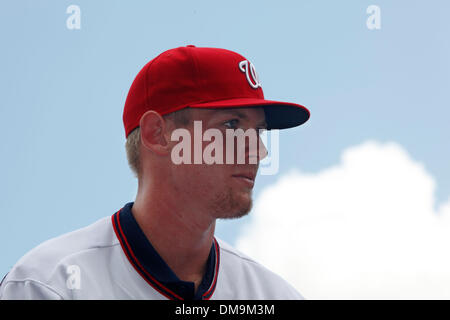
(285, 116)
(279, 115)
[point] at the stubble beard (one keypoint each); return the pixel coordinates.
(230, 204)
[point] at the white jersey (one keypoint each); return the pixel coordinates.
(112, 259)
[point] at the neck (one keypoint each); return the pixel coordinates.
(181, 234)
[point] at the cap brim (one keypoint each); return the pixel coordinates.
(279, 115)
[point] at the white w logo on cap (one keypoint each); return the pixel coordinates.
(249, 69)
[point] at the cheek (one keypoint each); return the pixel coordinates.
(202, 179)
(211, 176)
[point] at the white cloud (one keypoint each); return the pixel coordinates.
(364, 229)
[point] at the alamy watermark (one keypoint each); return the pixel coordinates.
(373, 22)
(237, 146)
(73, 281)
(73, 22)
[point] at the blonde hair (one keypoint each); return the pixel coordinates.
(132, 146)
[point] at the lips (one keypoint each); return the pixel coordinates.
(247, 178)
(249, 175)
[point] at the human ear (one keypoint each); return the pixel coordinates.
(153, 135)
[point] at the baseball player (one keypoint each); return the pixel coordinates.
(162, 245)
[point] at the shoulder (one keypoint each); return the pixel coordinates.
(250, 279)
(43, 271)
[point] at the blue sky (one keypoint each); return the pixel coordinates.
(63, 163)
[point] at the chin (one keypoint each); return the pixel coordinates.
(235, 206)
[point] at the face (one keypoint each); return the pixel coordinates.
(224, 190)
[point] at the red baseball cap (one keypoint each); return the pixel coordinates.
(199, 77)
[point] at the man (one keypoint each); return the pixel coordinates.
(162, 245)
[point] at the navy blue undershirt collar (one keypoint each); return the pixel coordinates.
(149, 264)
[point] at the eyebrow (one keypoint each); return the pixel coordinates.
(241, 115)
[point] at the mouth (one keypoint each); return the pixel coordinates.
(246, 178)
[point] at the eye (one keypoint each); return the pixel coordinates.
(231, 124)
